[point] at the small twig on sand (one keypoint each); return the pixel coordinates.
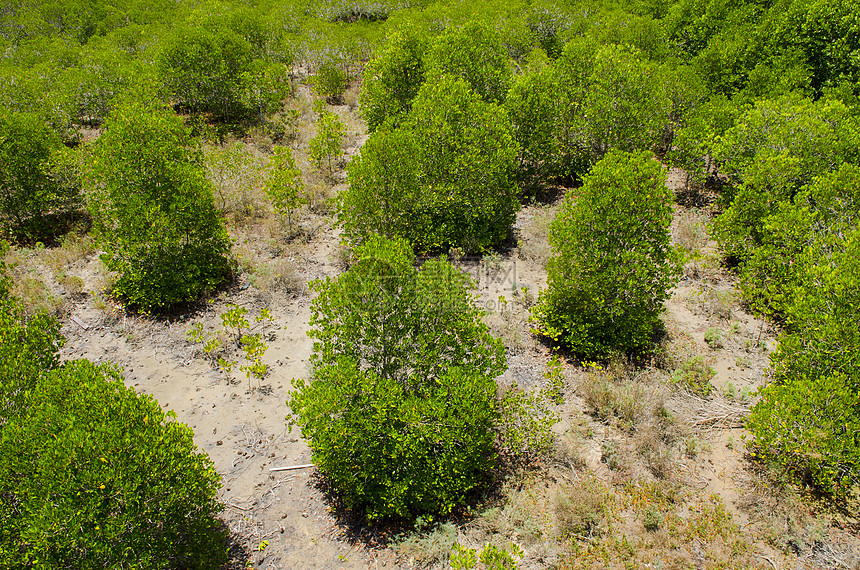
(291, 467)
(772, 563)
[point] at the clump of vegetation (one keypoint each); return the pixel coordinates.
(714, 338)
(31, 196)
(392, 78)
(486, 557)
(441, 178)
(91, 474)
(330, 80)
(527, 418)
(279, 275)
(326, 148)
(808, 418)
(691, 234)
(612, 264)
(403, 375)
(430, 543)
(95, 474)
(236, 330)
(695, 375)
(153, 211)
(583, 507)
(285, 187)
(235, 174)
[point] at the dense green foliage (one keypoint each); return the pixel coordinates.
(29, 188)
(153, 210)
(95, 476)
(755, 99)
(612, 264)
(202, 69)
(795, 236)
(475, 54)
(91, 474)
(400, 412)
(444, 177)
(809, 417)
(774, 149)
(392, 78)
(593, 98)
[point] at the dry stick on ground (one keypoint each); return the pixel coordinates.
(711, 415)
(290, 468)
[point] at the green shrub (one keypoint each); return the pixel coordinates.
(592, 99)
(94, 476)
(443, 178)
(30, 192)
(714, 338)
(401, 410)
(613, 264)
(776, 148)
(326, 148)
(392, 78)
(488, 557)
(474, 53)
(695, 376)
(202, 69)
(330, 81)
(153, 210)
(285, 187)
(808, 418)
(793, 236)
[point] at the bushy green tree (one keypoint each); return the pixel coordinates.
(591, 99)
(91, 474)
(773, 150)
(535, 103)
(29, 193)
(331, 80)
(793, 235)
(153, 211)
(612, 264)
(445, 177)
(808, 417)
(401, 408)
(392, 78)
(94, 476)
(201, 69)
(474, 53)
(626, 107)
(264, 86)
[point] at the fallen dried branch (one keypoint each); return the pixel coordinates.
(709, 415)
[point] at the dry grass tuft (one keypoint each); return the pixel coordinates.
(428, 547)
(690, 232)
(533, 244)
(617, 392)
(35, 297)
(584, 507)
(278, 275)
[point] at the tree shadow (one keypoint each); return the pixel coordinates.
(357, 530)
(238, 552)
